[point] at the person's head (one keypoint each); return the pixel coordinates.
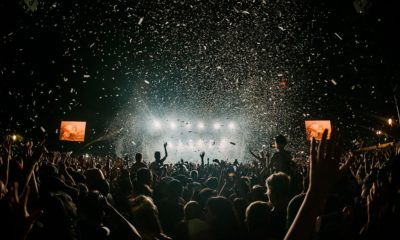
(280, 141)
(192, 210)
(175, 188)
(145, 213)
(92, 208)
(212, 183)
(257, 217)
(143, 176)
(204, 195)
(222, 218)
(94, 178)
(157, 156)
(139, 157)
(278, 185)
(194, 174)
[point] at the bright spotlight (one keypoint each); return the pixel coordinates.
(217, 126)
(231, 125)
(157, 124)
(14, 137)
(172, 125)
(390, 121)
(200, 125)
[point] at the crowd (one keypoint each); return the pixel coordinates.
(338, 195)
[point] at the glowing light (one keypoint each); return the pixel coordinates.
(390, 121)
(14, 137)
(172, 125)
(231, 125)
(200, 125)
(217, 126)
(157, 124)
(379, 132)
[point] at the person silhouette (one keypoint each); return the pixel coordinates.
(156, 166)
(281, 161)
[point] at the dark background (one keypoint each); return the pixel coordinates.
(272, 64)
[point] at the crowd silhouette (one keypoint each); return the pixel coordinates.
(337, 194)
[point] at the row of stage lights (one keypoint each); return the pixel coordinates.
(200, 144)
(200, 125)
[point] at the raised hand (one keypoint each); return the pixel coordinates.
(325, 165)
(202, 154)
(165, 144)
(261, 157)
(23, 219)
(325, 171)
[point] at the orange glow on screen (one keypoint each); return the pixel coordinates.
(72, 131)
(315, 128)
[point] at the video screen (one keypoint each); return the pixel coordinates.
(315, 129)
(73, 131)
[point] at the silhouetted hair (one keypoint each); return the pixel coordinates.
(279, 184)
(281, 140)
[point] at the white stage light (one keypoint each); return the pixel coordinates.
(172, 125)
(200, 125)
(231, 125)
(157, 124)
(217, 126)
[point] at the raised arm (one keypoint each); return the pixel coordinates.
(165, 152)
(255, 156)
(202, 154)
(325, 171)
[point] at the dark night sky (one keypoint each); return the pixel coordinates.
(106, 62)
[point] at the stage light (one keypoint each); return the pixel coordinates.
(379, 132)
(390, 121)
(157, 124)
(217, 126)
(172, 125)
(200, 125)
(231, 125)
(14, 137)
